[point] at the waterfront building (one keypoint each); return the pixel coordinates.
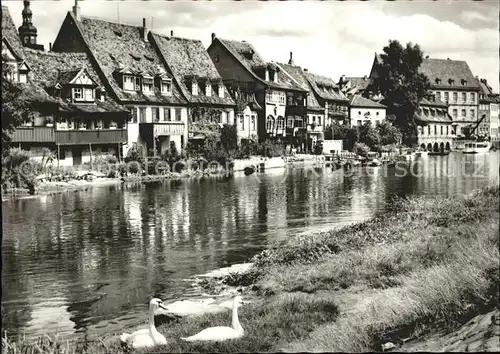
(71, 113)
(488, 112)
(281, 102)
(363, 110)
(435, 125)
(315, 120)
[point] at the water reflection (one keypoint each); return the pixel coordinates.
(88, 262)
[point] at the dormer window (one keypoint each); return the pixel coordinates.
(103, 95)
(221, 90)
(138, 86)
(166, 86)
(272, 75)
(438, 80)
(208, 89)
(148, 87)
(194, 87)
(464, 82)
(128, 82)
(77, 94)
(89, 94)
(451, 82)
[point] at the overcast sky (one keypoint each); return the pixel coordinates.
(331, 38)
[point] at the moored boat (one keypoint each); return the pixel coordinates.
(374, 163)
(249, 170)
(474, 147)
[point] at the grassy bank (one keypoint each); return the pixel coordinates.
(428, 263)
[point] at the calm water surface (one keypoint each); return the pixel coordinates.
(88, 262)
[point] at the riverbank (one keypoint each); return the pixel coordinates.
(426, 267)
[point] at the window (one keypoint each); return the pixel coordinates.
(472, 113)
(429, 130)
(128, 82)
(441, 130)
(77, 94)
(270, 123)
(138, 83)
(166, 86)
(377, 122)
(194, 88)
(253, 122)
(299, 123)
(473, 97)
(438, 95)
(464, 96)
(463, 113)
(148, 85)
(289, 100)
(435, 130)
(142, 115)
(447, 130)
(281, 123)
(446, 97)
(289, 122)
(208, 90)
(359, 113)
(221, 91)
(455, 97)
(455, 113)
(241, 121)
(155, 112)
(359, 123)
(23, 77)
(276, 97)
(89, 94)
(178, 114)
(319, 120)
(166, 114)
(133, 115)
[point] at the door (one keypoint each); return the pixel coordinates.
(77, 156)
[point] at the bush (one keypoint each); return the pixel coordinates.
(361, 149)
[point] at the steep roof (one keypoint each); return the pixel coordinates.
(435, 102)
(317, 83)
(46, 71)
(9, 33)
(360, 83)
(297, 74)
(246, 54)
(187, 58)
(446, 70)
(121, 47)
(360, 101)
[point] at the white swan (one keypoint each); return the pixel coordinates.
(147, 337)
(221, 333)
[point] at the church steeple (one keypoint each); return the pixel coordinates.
(28, 32)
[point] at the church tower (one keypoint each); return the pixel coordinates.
(28, 32)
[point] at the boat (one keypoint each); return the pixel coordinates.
(438, 153)
(374, 163)
(391, 163)
(474, 147)
(249, 170)
(421, 153)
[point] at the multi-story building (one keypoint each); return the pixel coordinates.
(70, 112)
(199, 81)
(282, 100)
(132, 71)
(363, 110)
(351, 86)
(315, 121)
(488, 112)
(435, 130)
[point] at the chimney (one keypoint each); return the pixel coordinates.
(447, 58)
(305, 69)
(290, 61)
(213, 37)
(50, 47)
(171, 33)
(144, 30)
(364, 77)
(76, 10)
(426, 57)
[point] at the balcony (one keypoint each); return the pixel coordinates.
(88, 136)
(168, 128)
(33, 135)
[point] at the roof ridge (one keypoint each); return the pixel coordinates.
(175, 37)
(94, 18)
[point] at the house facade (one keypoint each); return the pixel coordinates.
(315, 119)
(70, 111)
(488, 112)
(281, 102)
(363, 110)
(135, 76)
(435, 126)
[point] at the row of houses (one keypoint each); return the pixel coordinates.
(106, 87)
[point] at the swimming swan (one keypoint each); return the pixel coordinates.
(147, 337)
(221, 333)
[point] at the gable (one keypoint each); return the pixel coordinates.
(83, 78)
(8, 52)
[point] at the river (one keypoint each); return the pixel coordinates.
(86, 263)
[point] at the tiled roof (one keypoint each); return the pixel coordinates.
(246, 54)
(188, 58)
(9, 32)
(446, 70)
(360, 101)
(430, 111)
(119, 46)
(436, 102)
(298, 75)
(359, 82)
(333, 92)
(46, 69)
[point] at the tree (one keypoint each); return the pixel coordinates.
(402, 86)
(388, 133)
(14, 108)
(229, 137)
(369, 136)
